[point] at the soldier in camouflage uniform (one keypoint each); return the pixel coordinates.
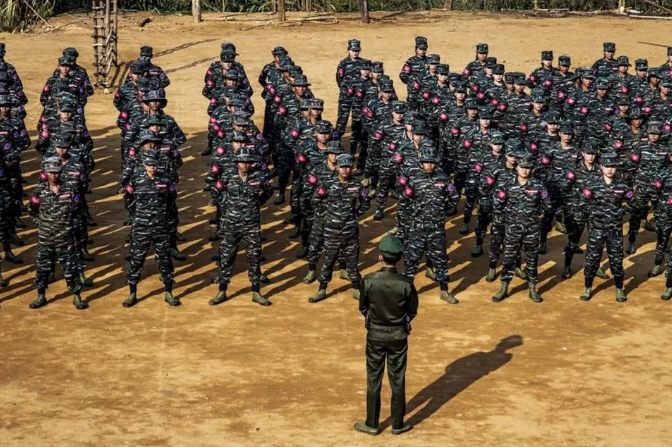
(8, 210)
(431, 196)
(241, 196)
(660, 194)
(522, 201)
(270, 75)
(602, 199)
(650, 156)
(494, 177)
(153, 71)
(476, 67)
(414, 67)
(574, 178)
(557, 160)
(287, 109)
(148, 198)
(54, 206)
(486, 161)
(343, 200)
(607, 61)
(320, 174)
(347, 73)
(10, 68)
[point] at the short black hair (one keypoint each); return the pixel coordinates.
(390, 258)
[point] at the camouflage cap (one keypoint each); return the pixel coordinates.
(655, 127)
(6, 100)
(239, 136)
(66, 61)
(148, 136)
(354, 45)
(641, 64)
(482, 48)
(609, 160)
(344, 160)
(525, 161)
(334, 147)
(324, 126)
(428, 155)
(52, 165)
(245, 155)
(421, 42)
(150, 157)
(70, 52)
(623, 61)
(546, 55)
(377, 67)
(564, 61)
(279, 51)
(62, 140)
(146, 51)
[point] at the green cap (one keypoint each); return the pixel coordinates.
(391, 245)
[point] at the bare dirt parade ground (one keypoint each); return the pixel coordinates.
(586, 374)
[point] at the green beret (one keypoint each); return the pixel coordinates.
(391, 245)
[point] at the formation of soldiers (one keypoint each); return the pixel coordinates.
(559, 148)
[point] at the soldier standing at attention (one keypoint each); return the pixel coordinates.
(149, 199)
(55, 206)
(388, 302)
(414, 67)
(347, 73)
(522, 201)
(241, 196)
(344, 199)
(602, 200)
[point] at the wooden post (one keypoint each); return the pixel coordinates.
(196, 10)
(364, 10)
(281, 10)
(448, 5)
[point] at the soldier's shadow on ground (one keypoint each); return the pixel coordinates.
(458, 376)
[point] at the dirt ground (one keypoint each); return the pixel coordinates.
(586, 374)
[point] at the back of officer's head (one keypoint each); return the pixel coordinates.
(391, 250)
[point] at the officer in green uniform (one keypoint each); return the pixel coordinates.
(389, 302)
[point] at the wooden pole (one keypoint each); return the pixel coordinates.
(196, 10)
(364, 10)
(281, 10)
(448, 5)
(662, 8)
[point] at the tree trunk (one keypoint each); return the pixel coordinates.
(448, 5)
(196, 10)
(281, 10)
(364, 10)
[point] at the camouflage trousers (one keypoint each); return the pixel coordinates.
(597, 239)
(344, 108)
(521, 239)
(142, 237)
(340, 243)
(428, 241)
(232, 235)
(67, 256)
(663, 231)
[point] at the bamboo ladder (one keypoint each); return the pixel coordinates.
(105, 15)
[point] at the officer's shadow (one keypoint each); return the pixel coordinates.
(459, 375)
